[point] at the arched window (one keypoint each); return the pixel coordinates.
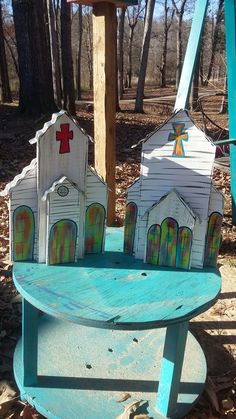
(62, 242)
(168, 246)
(130, 225)
(213, 239)
(153, 244)
(185, 237)
(23, 233)
(94, 228)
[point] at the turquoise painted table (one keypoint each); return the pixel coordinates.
(70, 371)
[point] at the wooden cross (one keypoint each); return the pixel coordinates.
(64, 136)
(178, 136)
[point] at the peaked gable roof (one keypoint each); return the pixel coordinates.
(55, 118)
(170, 195)
(173, 115)
(17, 179)
(57, 182)
(95, 173)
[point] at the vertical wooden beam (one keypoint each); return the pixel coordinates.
(230, 31)
(104, 79)
(191, 55)
(171, 368)
(29, 343)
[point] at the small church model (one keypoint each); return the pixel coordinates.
(174, 213)
(58, 203)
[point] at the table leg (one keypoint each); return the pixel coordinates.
(171, 368)
(29, 343)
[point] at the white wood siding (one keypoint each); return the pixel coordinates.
(96, 189)
(171, 206)
(69, 207)
(191, 176)
(133, 195)
(52, 165)
(25, 193)
(216, 203)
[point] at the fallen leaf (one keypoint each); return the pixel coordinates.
(130, 408)
(227, 404)
(7, 398)
(123, 397)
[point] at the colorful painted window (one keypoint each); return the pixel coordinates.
(153, 244)
(23, 233)
(168, 246)
(130, 225)
(62, 242)
(184, 247)
(94, 228)
(213, 239)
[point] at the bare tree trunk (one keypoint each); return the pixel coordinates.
(201, 65)
(133, 17)
(194, 104)
(179, 51)
(167, 26)
(5, 85)
(121, 22)
(67, 62)
(56, 76)
(36, 89)
(224, 107)
(12, 52)
(80, 21)
(89, 48)
(144, 55)
(180, 14)
(216, 35)
(130, 58)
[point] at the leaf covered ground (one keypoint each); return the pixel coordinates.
(215, 329)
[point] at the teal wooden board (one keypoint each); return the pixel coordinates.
(191, 55)
(230, 34)
(116, 291)
(77, 382)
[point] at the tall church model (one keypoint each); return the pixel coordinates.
(58, 203)
(174, 214)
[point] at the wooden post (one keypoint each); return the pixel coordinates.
(230, 31)
(29, 343)
(104, 79)
(171, 368)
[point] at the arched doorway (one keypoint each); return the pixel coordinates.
(23, 233)
(130, 225)
(62, 242)
(94, 228)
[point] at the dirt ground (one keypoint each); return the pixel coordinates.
(214, 329)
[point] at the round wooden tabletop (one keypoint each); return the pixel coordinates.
(116, 291)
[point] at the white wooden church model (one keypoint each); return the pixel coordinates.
(173, 213)
(58, 203)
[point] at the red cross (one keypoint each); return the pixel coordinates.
(64, 136)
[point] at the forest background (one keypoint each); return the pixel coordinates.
(46, 50)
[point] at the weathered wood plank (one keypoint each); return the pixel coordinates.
(104, 71)
(29, 343)
(123, 362)
(191, 55)
(230, 32)
(113, 290)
